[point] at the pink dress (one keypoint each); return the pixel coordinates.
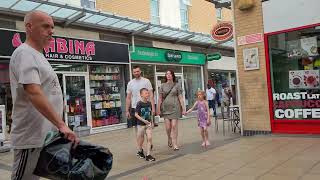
(202, 114)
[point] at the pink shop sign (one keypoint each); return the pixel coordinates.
(250, 39)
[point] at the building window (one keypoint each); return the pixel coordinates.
(184, 15)
(219, 13)
(155, 17)
(295, 69)
(91, 4)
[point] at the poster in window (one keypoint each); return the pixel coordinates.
(304, 79)
(310, 45)
(2, 122)
(251, 59)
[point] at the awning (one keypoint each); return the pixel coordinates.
(70, 14)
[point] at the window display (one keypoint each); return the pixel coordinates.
(193, 82)
(295, 68)
(106, 95)
(76, 101)
(2, 122)
(5, 94)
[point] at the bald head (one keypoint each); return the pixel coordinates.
(34, 15)
(39, 28)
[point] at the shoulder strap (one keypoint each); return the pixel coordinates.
(164, 98)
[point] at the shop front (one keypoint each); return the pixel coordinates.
(293, 59)
(188, 68)
(223, 72)
(92, 75)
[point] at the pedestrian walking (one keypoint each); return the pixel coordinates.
(204, 119)
(211, 95)
(171, 107)
(226, 97)
(133, 97)
(37, 97)
(145, 122)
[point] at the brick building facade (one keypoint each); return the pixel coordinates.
(283, 37)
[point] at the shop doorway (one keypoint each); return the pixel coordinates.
(76, 100)
(160, 78)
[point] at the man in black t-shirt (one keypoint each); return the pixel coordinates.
(145, 123)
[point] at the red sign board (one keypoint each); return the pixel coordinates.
(250, 39)
(222, 31)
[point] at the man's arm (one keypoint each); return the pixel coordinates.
(152, 101)
(41, 103)
(128, 104)
(213, 91)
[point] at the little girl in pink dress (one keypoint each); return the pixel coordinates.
(203, 116)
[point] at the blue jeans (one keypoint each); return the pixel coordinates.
(212, 104)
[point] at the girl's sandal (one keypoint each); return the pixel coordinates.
(169, 144)
(176, 149)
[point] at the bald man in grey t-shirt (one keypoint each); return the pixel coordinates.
(36, 95)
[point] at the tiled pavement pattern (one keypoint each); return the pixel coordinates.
(229, 158)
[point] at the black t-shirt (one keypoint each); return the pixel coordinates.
(144, 111)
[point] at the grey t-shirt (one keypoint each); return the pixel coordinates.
(134, 87)
(29, 126)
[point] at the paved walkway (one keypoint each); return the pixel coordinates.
(230, 157)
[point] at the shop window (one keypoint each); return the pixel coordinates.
(192, 83)
(5, 94)
(165, 68)
(69, 67)
(219, 13)
(155, 17)
(91, 4)
(184, 15)
(294, 65)
(107, 94)
(218, 79)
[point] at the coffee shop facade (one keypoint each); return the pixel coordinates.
(281, 55)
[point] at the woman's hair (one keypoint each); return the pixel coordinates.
(203, 94)
(173, 76)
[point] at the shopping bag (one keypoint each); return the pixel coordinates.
(59, 161)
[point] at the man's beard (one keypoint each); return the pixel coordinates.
(138, 76)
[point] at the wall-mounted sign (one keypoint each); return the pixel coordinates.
(222, 31)
(173, 56)
(250, 39)
(64, 48)
(251, 59)
(213, 57)
(164, 56)
(296, 105)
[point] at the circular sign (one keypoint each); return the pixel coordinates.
(222, 31)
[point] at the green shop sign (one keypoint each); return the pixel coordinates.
(166, 56)
(214, 57)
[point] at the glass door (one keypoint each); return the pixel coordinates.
(160, 77)
(75, 100)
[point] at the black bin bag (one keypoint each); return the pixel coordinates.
(59, 161)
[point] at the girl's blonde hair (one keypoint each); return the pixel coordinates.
(203, 94)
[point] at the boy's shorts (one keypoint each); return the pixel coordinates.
(24, 163)
(142, 129)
